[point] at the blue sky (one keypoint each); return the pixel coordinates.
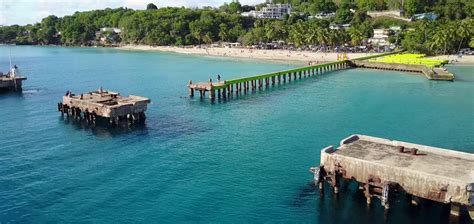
(30, 11)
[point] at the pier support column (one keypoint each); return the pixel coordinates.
(385, 196)
(335, 182)
(260, 83)
(454, 212)
(294, 75)
(218, 94)
(284, 78)
(212, 94)
(273, 80)
(224, 93)
(267, 82)
(415, 200)
(191, 90)
(367, 194)
(299, 74)
(470, 210)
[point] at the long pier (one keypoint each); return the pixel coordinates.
(384, 168)
(227, 88)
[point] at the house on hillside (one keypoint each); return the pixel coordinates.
(391, 13)
(339, 26)
(107, 35)
(431, 16)
(323, 15)
(271, 11)
(381, 36)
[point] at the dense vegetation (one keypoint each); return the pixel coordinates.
(183, 26)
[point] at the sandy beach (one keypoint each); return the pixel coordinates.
(454, 59)
(273, 55)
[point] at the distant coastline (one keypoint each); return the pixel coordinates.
(278, 55)
(275, 55)
(286, 56)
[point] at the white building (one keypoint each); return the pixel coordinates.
(323, 15)
(339, 26)
(381, 37)
(271, 11)
(111, 29)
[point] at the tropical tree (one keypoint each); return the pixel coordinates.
(151, 6)
(357, 35)
(464, 31)
(223, 32)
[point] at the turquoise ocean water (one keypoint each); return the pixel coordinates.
(245, 160)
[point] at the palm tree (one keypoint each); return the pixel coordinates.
(270, 32)
(207, 38)
(356, 35)
(198, 35)
(464, 31)
(223, 32)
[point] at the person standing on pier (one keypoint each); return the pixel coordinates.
(218, 78)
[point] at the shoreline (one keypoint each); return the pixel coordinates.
(280, 56)
(277, 55)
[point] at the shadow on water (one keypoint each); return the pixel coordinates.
(350, 206)
(305, 193)
(7, 93)
(103, 129)
(20, 94)
(163, 128)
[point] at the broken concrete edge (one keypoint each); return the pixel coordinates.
(329, 152)
(421, 148)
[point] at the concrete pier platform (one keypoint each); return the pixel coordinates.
(383, 166)
(430, 73)
(8, 83)
(104, 104)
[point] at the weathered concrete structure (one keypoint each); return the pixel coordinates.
(382, 166)
(432, 74)
(105, 104)
(10, 83)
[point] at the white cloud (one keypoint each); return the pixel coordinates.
(31, 11)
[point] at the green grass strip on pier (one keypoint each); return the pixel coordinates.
(272, 74)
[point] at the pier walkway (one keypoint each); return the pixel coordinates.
(382, 167)
(226, 89)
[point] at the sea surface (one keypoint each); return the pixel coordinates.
(241, 161)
